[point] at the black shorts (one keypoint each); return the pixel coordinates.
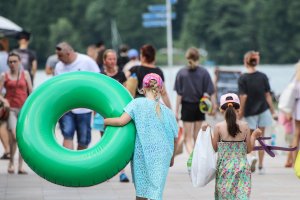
(190, 112)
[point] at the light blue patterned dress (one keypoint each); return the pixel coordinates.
(154, 146)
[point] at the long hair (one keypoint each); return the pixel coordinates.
(192, 55)
(230, 117)
(156, 91)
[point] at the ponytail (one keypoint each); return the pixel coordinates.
(154, 88)
(230, 117)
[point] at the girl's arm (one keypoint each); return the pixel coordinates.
(165, 97)
(175, 147)
(251, 138)
(215, 138)
(118, 121)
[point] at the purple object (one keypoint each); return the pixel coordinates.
(269, 148)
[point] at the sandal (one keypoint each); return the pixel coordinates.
(22, 172)
(5, 156)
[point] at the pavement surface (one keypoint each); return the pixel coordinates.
(277, 183)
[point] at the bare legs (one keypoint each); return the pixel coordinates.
(296, 139)
(261, 153)
(191, 130)
(4, 137)
(13, 148)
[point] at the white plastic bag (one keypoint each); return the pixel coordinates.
(287, 98)
(203, 168)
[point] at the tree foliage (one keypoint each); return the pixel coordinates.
(225, 29)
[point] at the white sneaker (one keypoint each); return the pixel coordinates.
(261, 171)
(252, 163)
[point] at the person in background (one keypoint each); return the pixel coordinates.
(18, 86)
(192, 82)
(50, 64)
(296, 113)
(78, 119)
(256, 101)
(286, 121)
(147, 57)
(100, 48)
(157, 129)
(28, 56)
(122, 57)
(111, 69)
(4, 137)
(3, 59)
(92, 51)
(232, 140)
(133, 56)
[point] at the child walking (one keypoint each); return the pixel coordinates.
(232, 140)
(156, 135)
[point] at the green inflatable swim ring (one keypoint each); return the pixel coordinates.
(44, 107)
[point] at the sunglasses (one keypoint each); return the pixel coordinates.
(12, 61)
(58, 48)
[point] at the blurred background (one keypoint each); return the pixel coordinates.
(223, 30)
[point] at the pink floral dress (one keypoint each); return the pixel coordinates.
(233, 176)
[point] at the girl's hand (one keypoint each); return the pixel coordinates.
(204, 126)
(257, 133)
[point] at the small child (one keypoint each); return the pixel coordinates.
(156, 134)
(232, 140)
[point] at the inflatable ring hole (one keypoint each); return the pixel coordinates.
(97, 131)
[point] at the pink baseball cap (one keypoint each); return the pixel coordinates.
(229, 98)
(152, 76)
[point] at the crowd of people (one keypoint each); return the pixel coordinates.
(246, 114)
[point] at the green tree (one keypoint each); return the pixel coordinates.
(63, 30)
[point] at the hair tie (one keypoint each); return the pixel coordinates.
(229, 105)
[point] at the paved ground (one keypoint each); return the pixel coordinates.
(278, 183)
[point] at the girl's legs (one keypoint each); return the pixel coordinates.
(296, 139)
(188, 136)
(13, 147)
(261, 153)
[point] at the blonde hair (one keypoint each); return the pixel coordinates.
(156, 91)
(192, 55)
